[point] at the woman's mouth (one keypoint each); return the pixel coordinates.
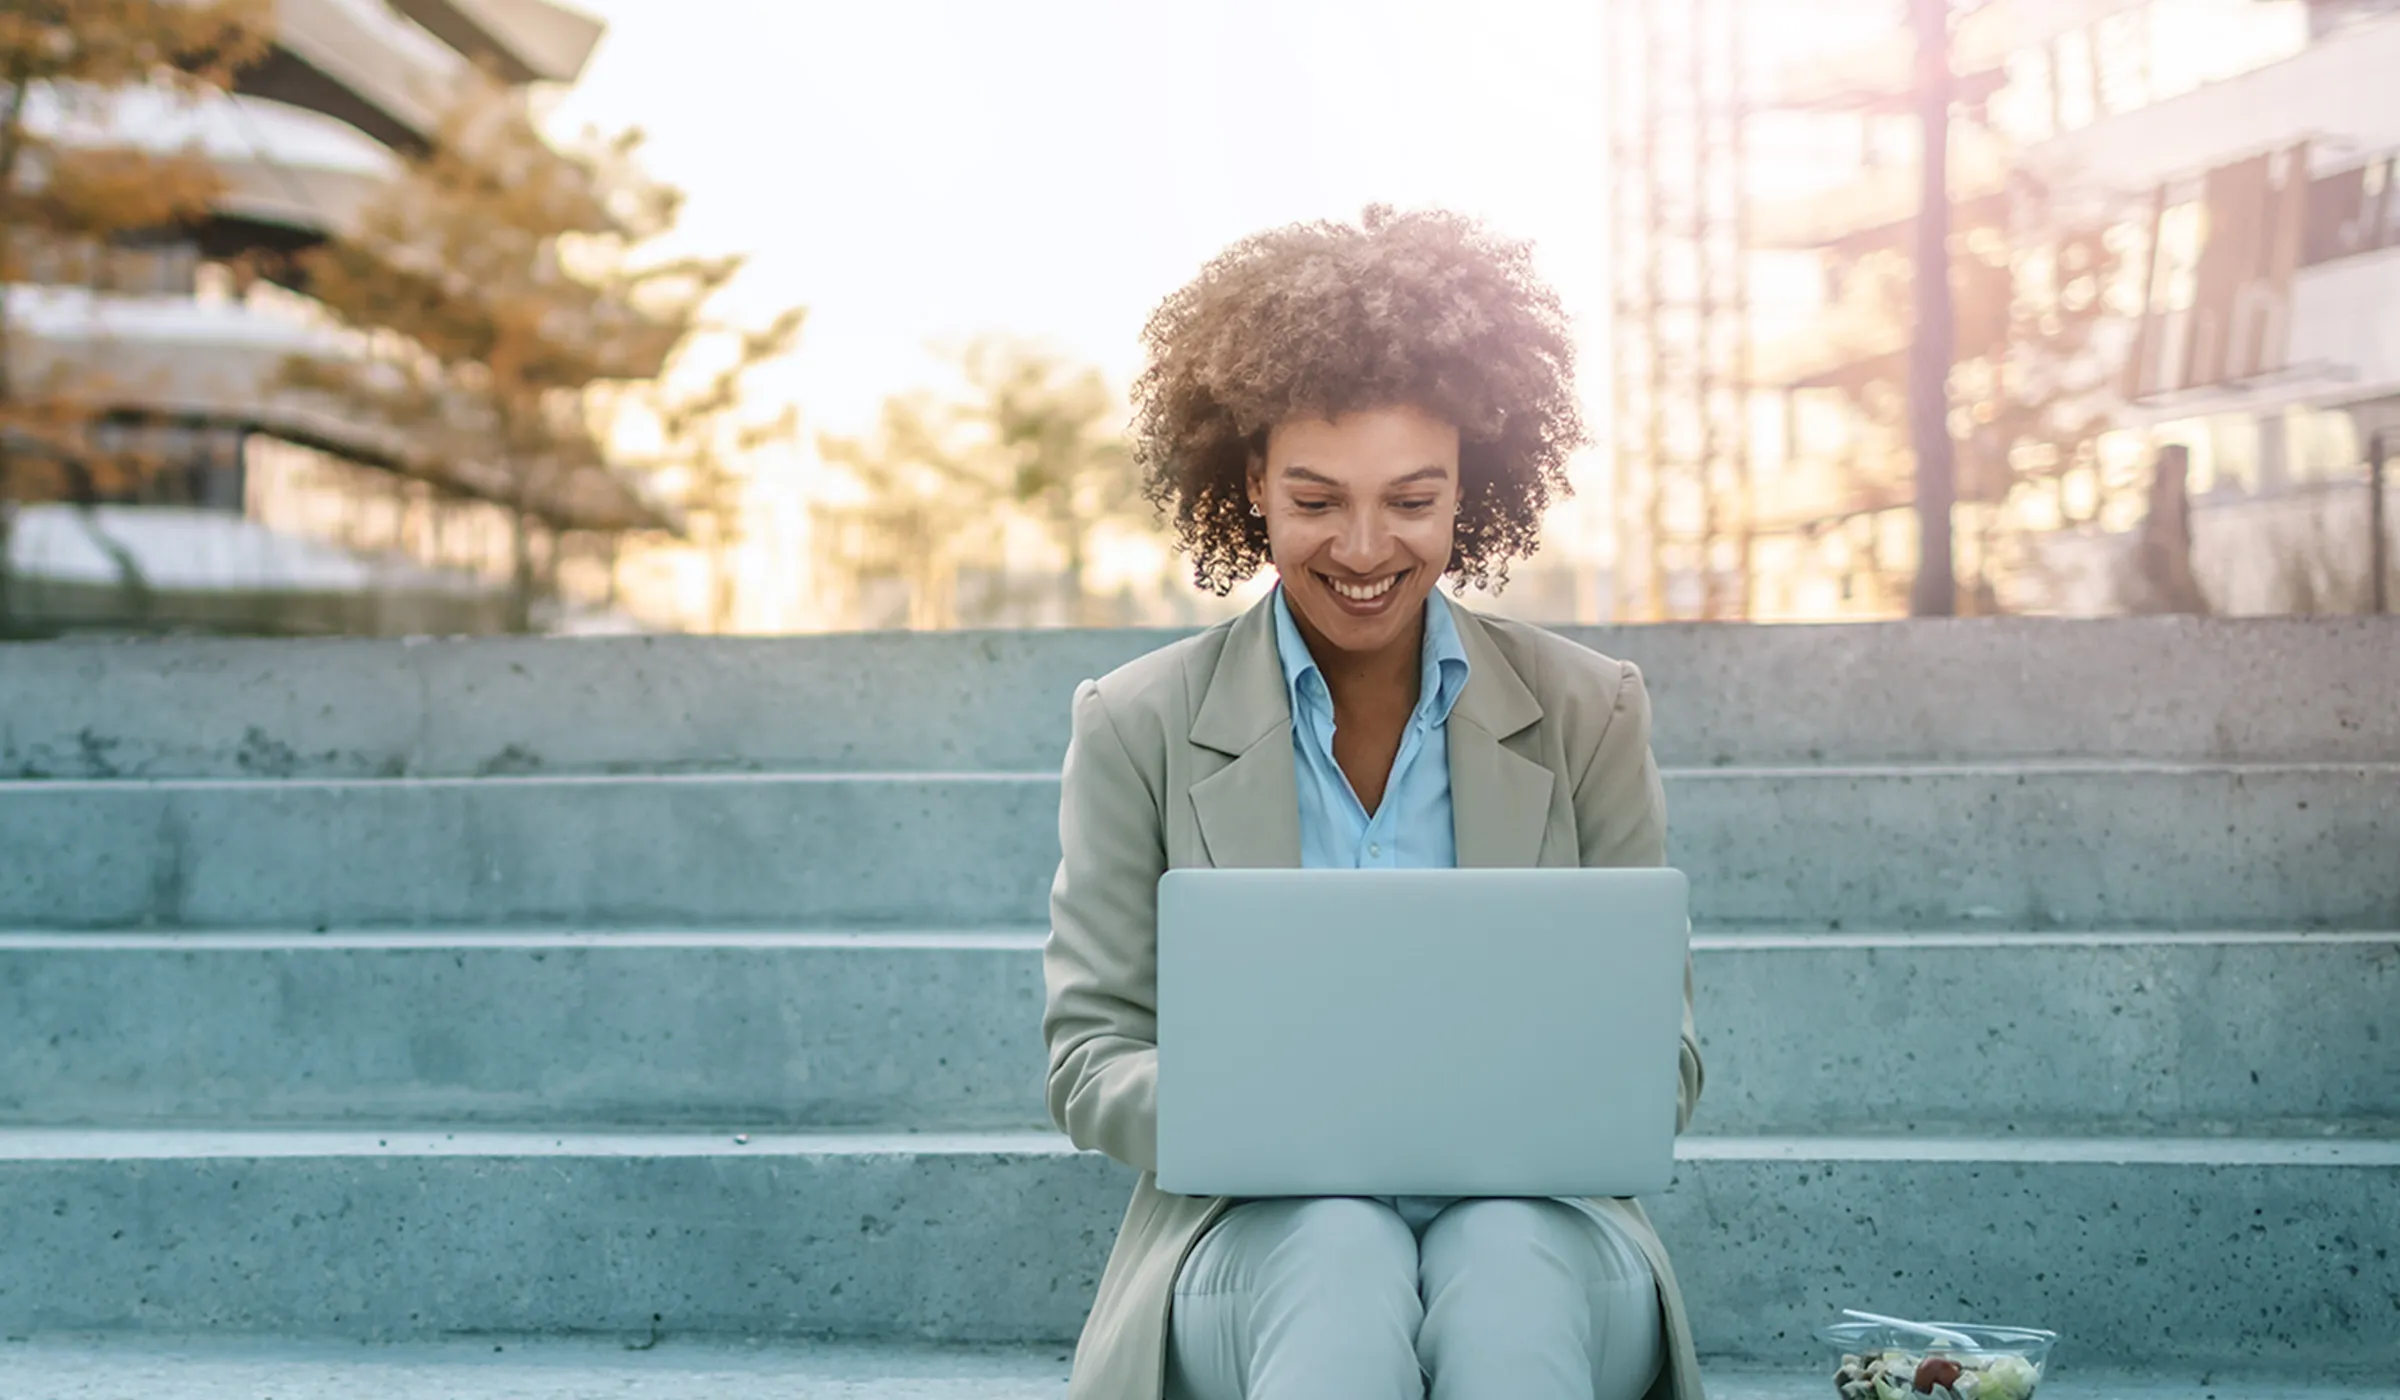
(1364, 598)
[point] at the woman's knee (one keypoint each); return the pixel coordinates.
(1348, 1238)
(1362, 1244)
(1299, 1297)
(1524, 1253)
(1504, 1228)
(1518, 1278)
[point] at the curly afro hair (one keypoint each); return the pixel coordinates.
(1428, 309)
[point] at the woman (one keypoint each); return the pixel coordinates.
(1369, 410)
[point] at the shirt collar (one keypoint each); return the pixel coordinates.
(1441, 679)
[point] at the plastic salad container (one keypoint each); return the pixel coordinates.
(1883, 1362)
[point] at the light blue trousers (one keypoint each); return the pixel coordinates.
(1344, 1298)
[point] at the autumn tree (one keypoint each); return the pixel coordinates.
(2048, 399)
(74, 193)
(1030, 440)
(695, 434)
(909, 513)
(2063, 291)
(506, 307)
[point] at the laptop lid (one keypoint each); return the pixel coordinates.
(1419, 1032)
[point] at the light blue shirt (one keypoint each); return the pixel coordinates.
(1412, 827)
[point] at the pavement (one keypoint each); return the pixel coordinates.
(591, 1368)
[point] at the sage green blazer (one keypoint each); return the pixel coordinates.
(1183, 758)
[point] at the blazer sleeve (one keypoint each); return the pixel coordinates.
(1621, 820)
(1100, 962)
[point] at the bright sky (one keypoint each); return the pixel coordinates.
(917, 171)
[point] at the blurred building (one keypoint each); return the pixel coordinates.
(273, 511)
(2264, 334)
(2173, 226)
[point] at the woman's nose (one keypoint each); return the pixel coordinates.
(1360, 545)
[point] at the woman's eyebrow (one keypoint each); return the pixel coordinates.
(1432, 473)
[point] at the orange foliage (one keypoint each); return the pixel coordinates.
(503, 309)
(64, 203)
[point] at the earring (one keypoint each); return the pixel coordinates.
(1254, 510)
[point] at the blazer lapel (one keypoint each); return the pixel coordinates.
(1499, 799)
(1249, 810)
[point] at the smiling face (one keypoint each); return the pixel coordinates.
(1359, 514)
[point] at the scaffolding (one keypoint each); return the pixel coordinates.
(1680, 330)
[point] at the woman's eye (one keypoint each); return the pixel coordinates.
(1312, 507)
(1421, 503)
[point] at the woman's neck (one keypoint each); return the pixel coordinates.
(1381, 680)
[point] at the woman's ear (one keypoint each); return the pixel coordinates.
(1254, 483)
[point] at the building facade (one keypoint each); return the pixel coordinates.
(2172, 227)
(264, 509)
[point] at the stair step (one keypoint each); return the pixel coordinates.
(524, 1368)
(1994, 688)
(2150, 1251)
(2034, 846)
(681, 1367)
(1997, 1033)
(740, 1030)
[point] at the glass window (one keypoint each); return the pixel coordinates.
(2339, 218)
(2321, 445)
(2181, 228)
(2381, 187)
(2128, 243)
(2232, 444)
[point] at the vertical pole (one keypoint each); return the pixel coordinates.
(2379, 567)
(1931, 351)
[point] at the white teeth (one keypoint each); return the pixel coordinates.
(1363, 595)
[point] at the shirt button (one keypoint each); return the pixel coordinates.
(1374, 849)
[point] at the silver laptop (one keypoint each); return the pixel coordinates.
(1419, 1032)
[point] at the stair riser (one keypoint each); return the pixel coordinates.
(1985, 689)
(2037, 848)
(2136, 1264)
(2180, 1038)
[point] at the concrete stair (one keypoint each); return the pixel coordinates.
(2035, 844)
(678, 1368)
(2118, 1033)
(2175, 689)
(2046, 974)
(997, 1236)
